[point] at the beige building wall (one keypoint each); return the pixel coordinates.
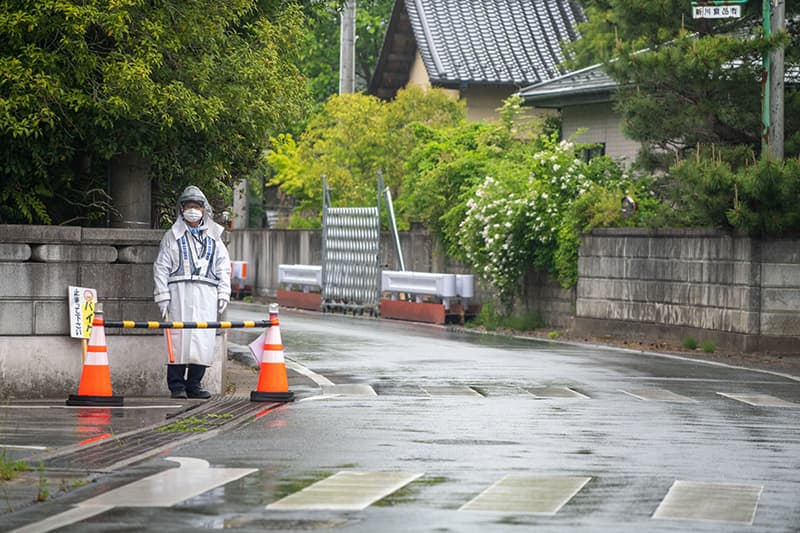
(601, 125)
(482, 102)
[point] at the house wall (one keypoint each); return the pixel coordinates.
(602, 125)
(483, 102)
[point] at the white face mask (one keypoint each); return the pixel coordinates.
(192, 215)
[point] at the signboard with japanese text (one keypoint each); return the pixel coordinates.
(82, 302)
(717, 12)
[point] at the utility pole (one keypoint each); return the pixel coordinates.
(773, 20)
(776, 81)
(347, 49)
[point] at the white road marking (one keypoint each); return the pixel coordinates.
(345, 491)
(658, 395)
(555, 391)
(450, 390)
(22, 447)
(352, 389)
(164, 489)
(583, 345)
(527, 494)
(71, 516)
(705, 380)
(307, 372)
(760, 400)
(709, 502)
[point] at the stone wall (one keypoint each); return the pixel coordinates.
(736, 292)
(38, 358)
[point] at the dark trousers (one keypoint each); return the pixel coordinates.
(178, 379)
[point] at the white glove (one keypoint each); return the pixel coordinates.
(164, 307)
(222, 305)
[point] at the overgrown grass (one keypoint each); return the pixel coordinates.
(690, 343)
(709, 347)
(43, 493)
(491, 320)
(10, 469)
(194, 424)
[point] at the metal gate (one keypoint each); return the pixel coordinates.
(350, 258)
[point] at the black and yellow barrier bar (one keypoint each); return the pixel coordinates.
(132, 324)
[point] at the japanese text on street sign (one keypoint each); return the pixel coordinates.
(716, 12)
(81, 311)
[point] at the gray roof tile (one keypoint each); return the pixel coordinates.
(587, 80)
(515, 42)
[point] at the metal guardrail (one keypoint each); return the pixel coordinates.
(416, 284)
(306, 276)
(420, 284)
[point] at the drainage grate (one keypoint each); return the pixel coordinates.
(188, 424)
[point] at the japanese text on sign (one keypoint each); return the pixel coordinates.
(82, 303)
(716, 12)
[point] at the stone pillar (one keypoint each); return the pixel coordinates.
(130, 191)
(240, 209)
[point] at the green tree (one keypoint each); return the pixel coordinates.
(352, 138)
(685, 81)
(192, 88)
(319, 56)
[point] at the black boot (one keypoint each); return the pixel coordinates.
(176, 380)
(193, 379)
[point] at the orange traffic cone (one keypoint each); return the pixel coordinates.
(95, 387)
(273, 386)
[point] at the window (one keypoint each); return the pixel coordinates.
(591, 151)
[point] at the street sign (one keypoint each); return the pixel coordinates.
(717, 12)
(81, 311)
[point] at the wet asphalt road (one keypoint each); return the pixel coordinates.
(464, 411)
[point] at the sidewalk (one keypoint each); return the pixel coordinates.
(64, 448)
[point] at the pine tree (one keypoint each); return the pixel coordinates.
(684, 81)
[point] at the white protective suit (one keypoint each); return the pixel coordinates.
(193, 274)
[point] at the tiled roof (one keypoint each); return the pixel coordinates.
(492, 41)
(587, 81)
(593, 84)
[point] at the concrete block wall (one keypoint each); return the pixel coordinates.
(38, 358)
(543, 295)
(734, 291)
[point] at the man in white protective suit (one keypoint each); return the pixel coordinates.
(192, 277)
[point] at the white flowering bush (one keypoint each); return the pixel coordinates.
(514, 222)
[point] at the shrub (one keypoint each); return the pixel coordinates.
(708, 347)
(690, 343)
(536, 218)
(723, 190)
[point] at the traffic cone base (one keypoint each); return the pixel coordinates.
(257, 396)
(95, 401)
